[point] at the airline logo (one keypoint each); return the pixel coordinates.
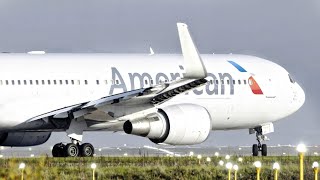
(255, 88)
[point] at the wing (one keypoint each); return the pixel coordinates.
(194, 76)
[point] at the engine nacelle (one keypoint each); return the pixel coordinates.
(183, 124)
(19, 139)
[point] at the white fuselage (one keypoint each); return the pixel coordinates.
(31, 85)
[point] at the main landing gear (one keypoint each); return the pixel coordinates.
(259, 147)
(73, 150)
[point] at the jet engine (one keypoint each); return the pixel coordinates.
(183, 124)
(19, 139)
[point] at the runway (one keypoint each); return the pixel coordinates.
(279, 150)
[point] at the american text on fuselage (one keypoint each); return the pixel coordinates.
(212, 87)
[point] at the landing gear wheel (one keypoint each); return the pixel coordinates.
(86, 150)
(71, 150)
(264, 151)
(58, 150)
(259, 147)
(255, 150)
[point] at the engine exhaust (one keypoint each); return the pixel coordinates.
(140, 128)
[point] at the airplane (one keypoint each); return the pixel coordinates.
(170, 99)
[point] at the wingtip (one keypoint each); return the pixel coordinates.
(180, 24)
(195, 68)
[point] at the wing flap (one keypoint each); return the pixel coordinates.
(113, 99)
(57, 112)
(78, 109)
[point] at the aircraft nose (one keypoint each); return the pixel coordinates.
(300, 96)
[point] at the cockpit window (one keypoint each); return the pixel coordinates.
(291, 79)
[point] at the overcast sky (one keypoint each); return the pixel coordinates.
(286, 32)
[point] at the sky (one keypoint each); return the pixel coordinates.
(286, 32)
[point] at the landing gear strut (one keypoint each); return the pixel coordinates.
(259, 147)
(73, 150)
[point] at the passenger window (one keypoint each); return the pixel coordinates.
(117, 81)
(97, 82)
(146, 82)
(61, 82)
(0, 82)
(151, 81)
(30, 82)
(234, 81)
(43, 82)
(49, 82)
(67, 82)
(217, 81)
(19, 83)
(85, 82)
(239, 81)
(25, 82)
(72, 82)
(54, 82)
(244, 82)
(7, 82)
(78, 82)
(228, 82)
(37, 82)
(222, 81)
(12, 82)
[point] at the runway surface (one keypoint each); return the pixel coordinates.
(279, 150)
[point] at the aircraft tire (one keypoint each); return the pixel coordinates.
(71, 150)
(58, 150)
(86, 150)
(255, 150)
(264, 150)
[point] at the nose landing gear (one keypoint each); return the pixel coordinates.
(259, 147)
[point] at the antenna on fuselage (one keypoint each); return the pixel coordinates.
(151, 51)
(36, 52)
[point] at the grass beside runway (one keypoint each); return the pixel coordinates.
(150, 168)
